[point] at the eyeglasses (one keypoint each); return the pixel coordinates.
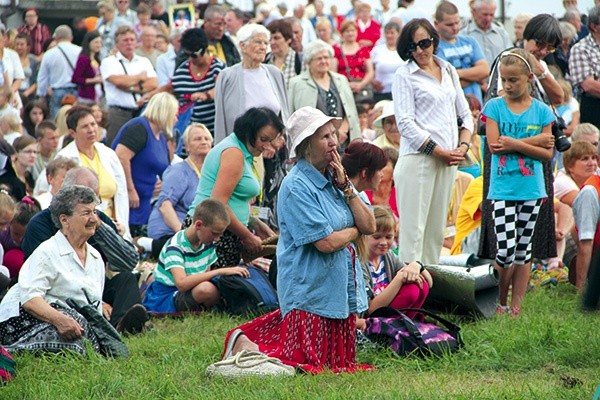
(423, 44)
(544, 46)
(196, 54)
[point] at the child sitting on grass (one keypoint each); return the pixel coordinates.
(183, 274)
(390, 282)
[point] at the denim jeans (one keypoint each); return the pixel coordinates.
(56, 98)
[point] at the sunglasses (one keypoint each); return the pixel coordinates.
(544, 46)
(196, 54)
(423, 44)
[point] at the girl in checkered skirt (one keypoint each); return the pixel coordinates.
(519, 138)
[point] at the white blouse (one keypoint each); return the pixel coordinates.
(427, 108)
(55, 273)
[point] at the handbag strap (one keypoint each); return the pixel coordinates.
(457, 90)
(66, 58)
(412, 330)
(125, 69)
(345, 62)
(452, 327)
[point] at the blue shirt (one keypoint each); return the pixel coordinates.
(310, 208)
(179, 185)
(463, 54)
(246, 189)
(514, 176)
(146, 165)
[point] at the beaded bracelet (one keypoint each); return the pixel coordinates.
(429, 147)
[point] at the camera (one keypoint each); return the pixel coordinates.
(561, 142)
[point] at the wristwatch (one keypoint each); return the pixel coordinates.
(352, 195)
(542, 76)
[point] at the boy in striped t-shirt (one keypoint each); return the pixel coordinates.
(182, 276)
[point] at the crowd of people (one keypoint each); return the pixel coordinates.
(367, 145)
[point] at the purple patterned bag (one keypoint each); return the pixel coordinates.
(405, 336)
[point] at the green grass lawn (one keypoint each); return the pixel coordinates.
(551, 352)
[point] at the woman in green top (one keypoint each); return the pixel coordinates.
(229, 176)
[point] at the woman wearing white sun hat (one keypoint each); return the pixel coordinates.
(320, 284)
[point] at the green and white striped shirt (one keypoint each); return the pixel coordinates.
(178, 252)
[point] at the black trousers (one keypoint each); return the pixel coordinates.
(158, 244)
(121, 292)
(590, 110)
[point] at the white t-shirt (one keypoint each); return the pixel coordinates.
(112, 66)
(563, 184)
(386, 62)
(254, 79)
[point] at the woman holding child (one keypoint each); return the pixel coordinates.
(320, 282)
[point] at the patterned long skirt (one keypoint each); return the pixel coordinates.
(307, 341)
(25, 332)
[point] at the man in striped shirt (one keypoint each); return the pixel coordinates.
(182, 278)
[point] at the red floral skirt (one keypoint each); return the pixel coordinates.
(307, 341)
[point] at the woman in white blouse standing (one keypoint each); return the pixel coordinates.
(386, 61)
(427, 100)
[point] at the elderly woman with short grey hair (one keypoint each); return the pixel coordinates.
(252, 84)
(563, 50)
(179, 184)
(237, 86)
(325, 90)
(33, 314)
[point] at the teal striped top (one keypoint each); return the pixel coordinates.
(178, 252)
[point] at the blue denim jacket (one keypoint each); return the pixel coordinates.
(310, 208)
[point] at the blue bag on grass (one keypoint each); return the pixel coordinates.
(242, 295)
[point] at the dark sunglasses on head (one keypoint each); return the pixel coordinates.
(196, 54)
(423, 44)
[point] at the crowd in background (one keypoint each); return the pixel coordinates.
(167, 111)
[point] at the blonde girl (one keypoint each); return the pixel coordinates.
(390, 282)
(519, 137)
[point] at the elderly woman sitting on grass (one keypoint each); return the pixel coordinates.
(33, 314)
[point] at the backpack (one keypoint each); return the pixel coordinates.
(247, 295)
(405, 336)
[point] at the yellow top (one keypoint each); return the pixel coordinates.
(469, 215)
(108, 185)
(217, 51)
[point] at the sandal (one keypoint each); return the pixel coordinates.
(231, 343)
